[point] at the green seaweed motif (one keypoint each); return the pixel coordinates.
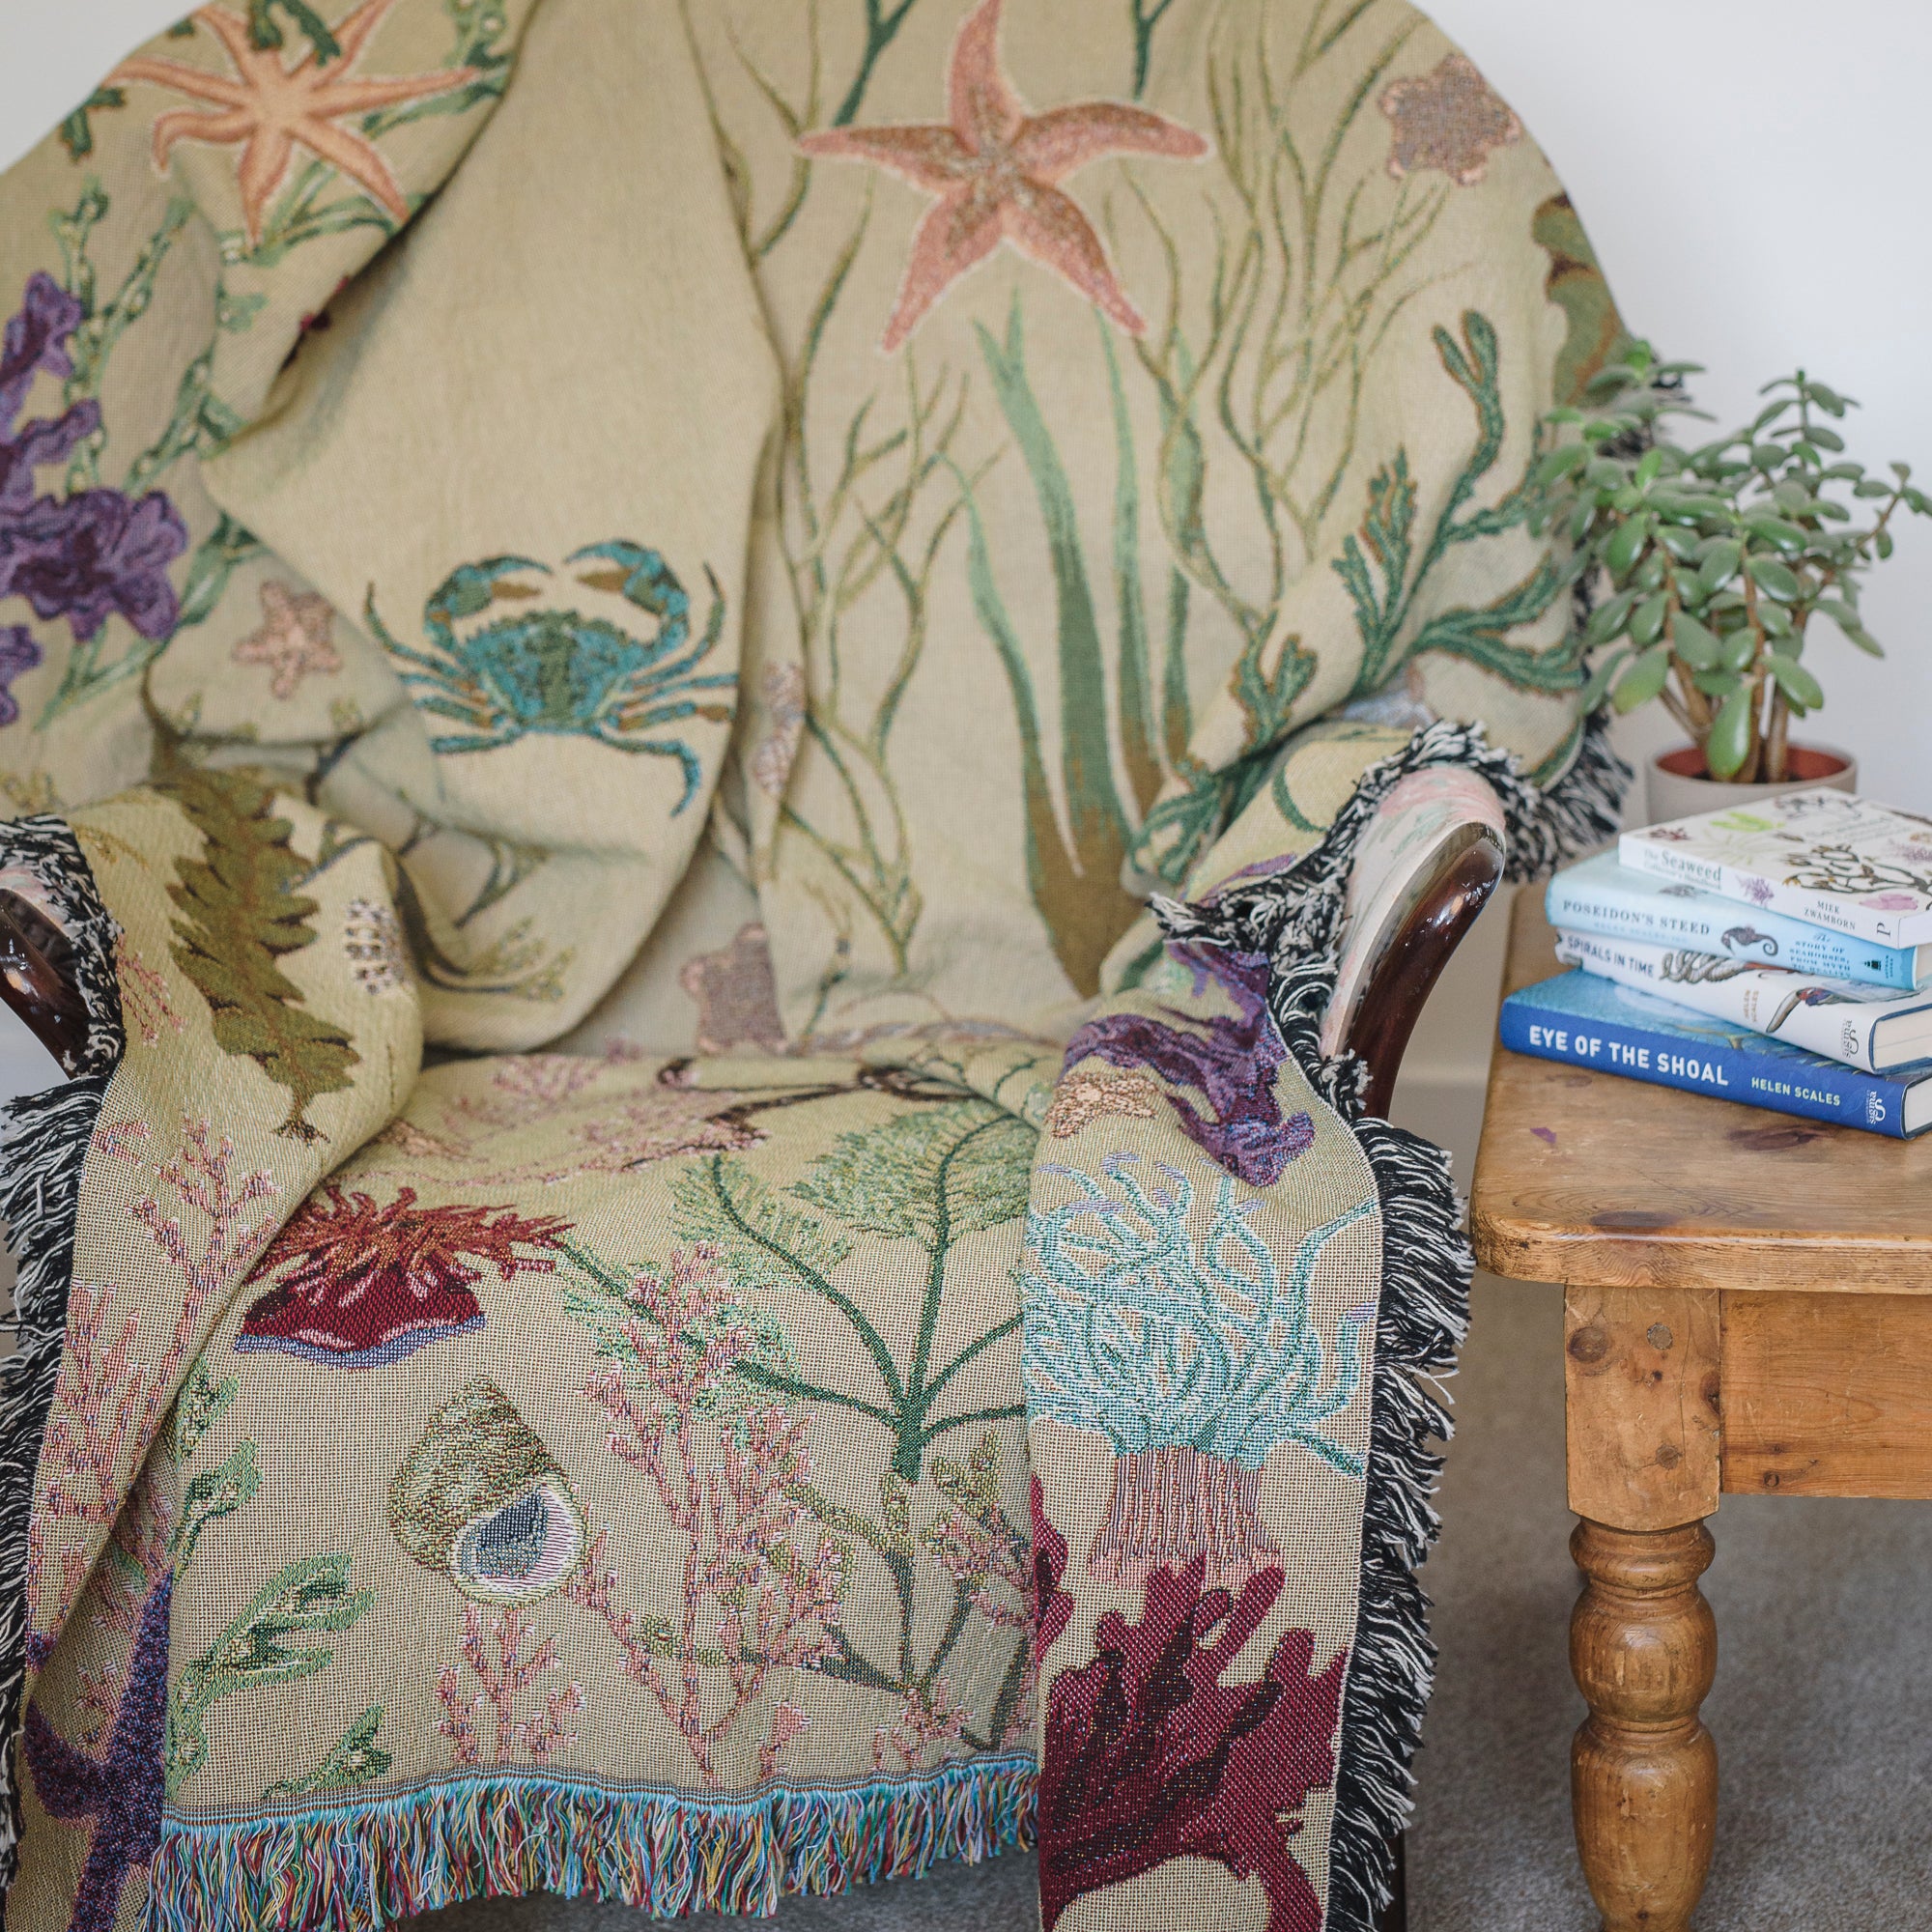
(1385, 572)
(357, 1759)
(1144, 16)
(309, 1597)
(931, 1176)
(1075, 876)
(1302, 299)
(871, 528)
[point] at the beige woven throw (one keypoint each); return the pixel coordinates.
(658, 1280)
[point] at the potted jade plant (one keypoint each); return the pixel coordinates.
(1705, 565)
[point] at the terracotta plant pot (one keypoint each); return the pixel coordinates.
(1676, 786)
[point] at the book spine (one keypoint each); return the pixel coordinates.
(1762, 998)
(1739, 932)
(1753, 889)
(1821, 1092)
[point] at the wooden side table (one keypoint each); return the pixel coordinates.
(1748, 1307)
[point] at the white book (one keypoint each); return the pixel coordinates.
(1868, 1027)
(1838, 861)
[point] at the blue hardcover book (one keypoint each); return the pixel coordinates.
(1594, 1022)
(1617, 901)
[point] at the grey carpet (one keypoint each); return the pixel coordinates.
(1823, 1708)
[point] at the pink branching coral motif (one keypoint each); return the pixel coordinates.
(926, 1718)
(144, 993)
(107, 1403)
(761, 1586)
(501, 1680)
(530, 1087)
(975, 1545)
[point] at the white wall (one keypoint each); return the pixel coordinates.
(1751, 172)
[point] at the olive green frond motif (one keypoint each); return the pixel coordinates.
(557, 671)
(238, 915)
(931, 1176)
(1596, 334)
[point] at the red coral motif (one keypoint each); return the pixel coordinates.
(1149, 1757)
(368, 1285)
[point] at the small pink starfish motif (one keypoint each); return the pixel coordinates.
(294, 639)
(272, 109)
(995, 170)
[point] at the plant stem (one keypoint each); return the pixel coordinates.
(1777, 740)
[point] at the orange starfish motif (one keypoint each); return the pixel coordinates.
(996, 171)
(273, 109)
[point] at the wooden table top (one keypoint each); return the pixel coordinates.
(1595, 1180)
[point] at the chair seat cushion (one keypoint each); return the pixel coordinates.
(603, 1437)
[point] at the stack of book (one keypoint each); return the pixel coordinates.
(1780, 955)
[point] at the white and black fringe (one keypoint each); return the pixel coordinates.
(44, 1140)
(1295, 919)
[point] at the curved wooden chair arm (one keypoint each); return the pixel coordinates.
(36, 980)
(1403, 975)
(1441, 910)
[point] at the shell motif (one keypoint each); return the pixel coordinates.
(481, 1500)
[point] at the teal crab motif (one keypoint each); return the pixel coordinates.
(557, 672)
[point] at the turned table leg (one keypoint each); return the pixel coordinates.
(1643, 1770)
(1645, 1456)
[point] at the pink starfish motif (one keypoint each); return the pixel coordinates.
(268, 109)
(995, 171)
(293, 639)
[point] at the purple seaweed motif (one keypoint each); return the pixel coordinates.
(86, 555)
(120, 1790)
(1232, 1063)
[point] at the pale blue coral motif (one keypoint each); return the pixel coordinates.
(1142, 1333)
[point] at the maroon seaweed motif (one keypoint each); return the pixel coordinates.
(1232, 1063)
(1052, 1606)
(1149, 1757)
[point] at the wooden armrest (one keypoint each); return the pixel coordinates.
(37, 980)
(1406, 971)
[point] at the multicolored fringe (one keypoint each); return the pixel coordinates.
(1295, 917)
(346, 1868)
(44, 1140)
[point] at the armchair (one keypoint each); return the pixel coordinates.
(1414, 898)
(733, 708)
